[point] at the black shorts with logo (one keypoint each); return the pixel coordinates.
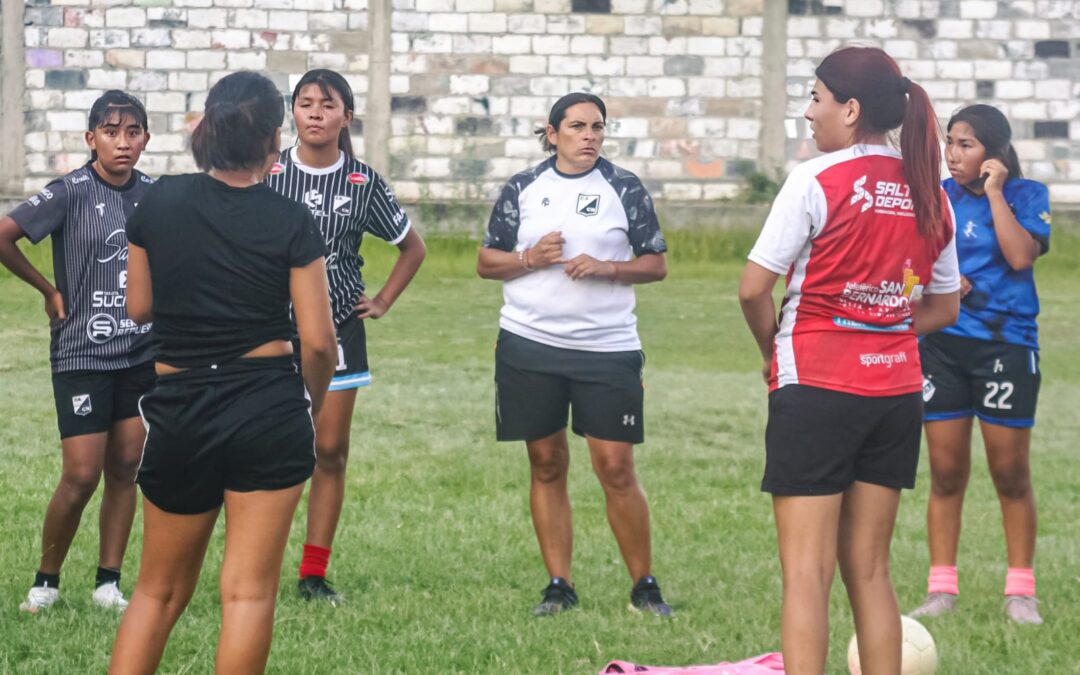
(819, 441)
(90, 401)
(240, 426)
(537, 386)
(994, 381)
(351, 371)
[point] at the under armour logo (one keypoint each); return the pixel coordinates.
(860, 193)
(628, 420)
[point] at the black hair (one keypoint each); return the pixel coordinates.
(558, 114)
(327, 80)
(992, 129)
(115, 105)
(244, 110)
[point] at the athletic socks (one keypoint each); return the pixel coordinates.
(46, 580)
(943, 579)
(1020, 581)
(106, 575)
(315, 561)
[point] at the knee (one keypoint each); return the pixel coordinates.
(809, 577)
(1013, 482)
(247, 590)
(549, 468)
(864, 573)
(616, 475)
(78, 485)
(331, 456)
(948, 482)
(122, 470)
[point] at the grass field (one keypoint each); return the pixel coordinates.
(436, 551)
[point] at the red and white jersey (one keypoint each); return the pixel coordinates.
(843, 230)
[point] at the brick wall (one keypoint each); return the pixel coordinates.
(471, 78)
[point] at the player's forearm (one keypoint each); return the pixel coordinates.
(644, 269)
(760, 314)
(412, 254)
(1017, 245)
(935, 311)
(492, 263)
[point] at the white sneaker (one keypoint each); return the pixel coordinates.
(109, 596)
(40, 597)
(1023, 609)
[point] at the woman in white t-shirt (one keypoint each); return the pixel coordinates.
(568, 238)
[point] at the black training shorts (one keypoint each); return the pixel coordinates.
(819, 441)
(537, 385)
(240, 426)
(994, 381)
(90, 401)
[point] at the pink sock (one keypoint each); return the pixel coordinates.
(1020, 581)
(943, 579)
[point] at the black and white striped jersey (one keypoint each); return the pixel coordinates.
(87, 219)
(347, 199)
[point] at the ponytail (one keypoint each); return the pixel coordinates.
(920, 138)
(238, 130)
(888, 100)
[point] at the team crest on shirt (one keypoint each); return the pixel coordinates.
(340, 205)
(588, 205)
(80, 403)
(356, 178)
(277, 169)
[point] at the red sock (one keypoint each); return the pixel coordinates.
(314, 562)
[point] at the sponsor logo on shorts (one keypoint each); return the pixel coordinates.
(928, 390)
(878, 359)
(277, 169)
(588, 205)
(80, 403)
(628, 420)
(999, 367)
(356, 178)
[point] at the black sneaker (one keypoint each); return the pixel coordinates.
(318, 588)
(645, 597)
(559, 596)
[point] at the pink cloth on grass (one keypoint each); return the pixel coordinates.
(766, 664)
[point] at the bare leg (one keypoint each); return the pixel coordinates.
(172, 555)
(122, 456)
(256, 529)
(1008, 451)
(549, 501)
(949, 443)
(84, 457)
(327, 493)
(867, 518)
(806, 529)
(627, 508)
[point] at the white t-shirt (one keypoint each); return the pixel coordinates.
(605, 213)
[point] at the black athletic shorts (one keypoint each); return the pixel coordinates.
(240, 426)
(994, 381)
(352, 370)
(536, 385)
(819, 441)
(89, 401)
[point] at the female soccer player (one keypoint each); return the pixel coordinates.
(216, 258)
(987, 365)
(866, 238)
(347, 199)
(569, 238)
(100, 357)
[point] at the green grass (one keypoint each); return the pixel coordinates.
(436, 550)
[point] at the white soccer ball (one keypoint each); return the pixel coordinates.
(918, 655)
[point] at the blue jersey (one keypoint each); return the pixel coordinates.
(1003, 303)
